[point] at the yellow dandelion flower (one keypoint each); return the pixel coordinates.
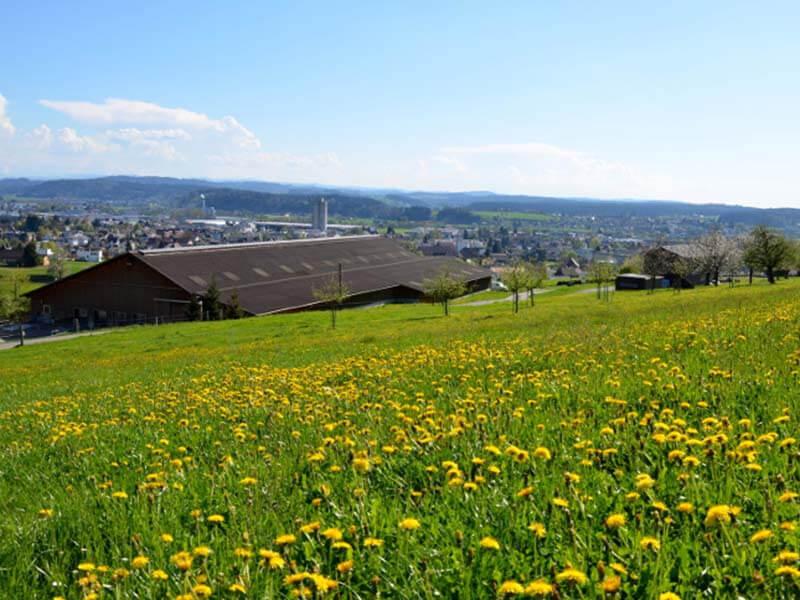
(539, 588)
(760, 536)
(140, 562)
(571, 575)
(650, 543)
(508, 588)
(615, 521)
(410, 524)
(489, 543)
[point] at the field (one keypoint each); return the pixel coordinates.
(639, 448)
(29, 278)
(506, 215)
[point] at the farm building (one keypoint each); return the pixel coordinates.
(676, 263)
(268, 277)
(635, 281)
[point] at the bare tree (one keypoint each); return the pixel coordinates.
(443, 288)
(333, 292)
(58, 265)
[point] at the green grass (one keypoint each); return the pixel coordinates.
(278, 422)
(30, 278)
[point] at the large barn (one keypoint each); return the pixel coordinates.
(268, 277)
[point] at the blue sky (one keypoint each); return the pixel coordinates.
(698, 101)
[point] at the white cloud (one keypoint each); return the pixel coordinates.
(118, 111)
(6, 126)
(73, 141)
(40, 137)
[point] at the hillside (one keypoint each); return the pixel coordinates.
(579, 448)
(276, 198)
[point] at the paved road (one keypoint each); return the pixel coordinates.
(7, 344)
(522, 296)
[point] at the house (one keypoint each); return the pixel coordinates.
(635, 281)
(267, 277)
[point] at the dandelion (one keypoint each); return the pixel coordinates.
(140, 562)
(611, 585)
(345, 566)
(489, 543)
(542, 453)
(760, 536)
(202, 551)
(333, 534)
(285, 539)
(785, 557)
(247, 481)
(573, 576)
(201, 590)
(510, 587)
(650, 543)
(182, 560)
(787, 571)
(119, 495)
(685, 508)
(615, 521)
(409, 524)
(718, 514)
(539, 588)
(237, 588)
(538, 529)
(372, 542)
(668, 596)
(166, 538)
(159, 575)
(216, 519)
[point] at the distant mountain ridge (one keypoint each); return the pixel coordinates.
(274, 197)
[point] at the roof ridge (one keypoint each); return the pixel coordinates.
(222, 247)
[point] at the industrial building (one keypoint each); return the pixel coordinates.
(267, 277)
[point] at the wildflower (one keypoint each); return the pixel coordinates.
(166, 538)
(246, 482)
(786, 556)
(45, 513)
(685, 508)
(611, 584)
(571, 575)
(182, 560)
(668, 596)
(285, 539)
(538, 529)
(120, 495)
(310, 527)
(785, 570)
(372, 542)
(159, 575)
(650, 543)
(344, 566)
(201, 590)
(333, 534)
(409, 524)
(489, 543)
(542, 453)
(788, 496)
(615, 521)
(237, 588)
(140, 562)
(525, 492)
(203, 551)
(644, 481)
(216, 519)
(560, 502)
(510, 587)
(361, 465)
(760, 536)
(539, 588)
(720, 513)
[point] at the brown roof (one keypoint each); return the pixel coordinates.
(276, 276)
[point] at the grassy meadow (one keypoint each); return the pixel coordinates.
(642, 448)
(29, 278)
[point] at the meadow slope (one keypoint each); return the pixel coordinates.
(639, 448)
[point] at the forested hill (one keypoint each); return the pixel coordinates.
(263, 197)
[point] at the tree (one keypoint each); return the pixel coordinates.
(15, 308)
(537, 274)
(767, 250)
(29, 256)
(58, 265)
(332, 292)
(233, 310)
(633, 264)
(211, 302)
(516, 279)
(711, 254)
(602, 274)
(443, 288)
(194, 311)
